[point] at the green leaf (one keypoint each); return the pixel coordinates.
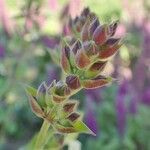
(81, 127)
(30, 90)
(36, 108)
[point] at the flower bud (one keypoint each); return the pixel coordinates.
(112, 41)
(82, 60)
(70, 24)
(91, 16)
(95, 69)
(73, 117)
(41, 92)
(61, 89)
(96, 82)
(93, 27)
(85, 12)
(65, 59)
(98, 66)
(111, 47)
(112, 28)
(84, 32)
(61, 92)
(100, 35)
(80, 23)
(90, 48)
(73, 82)
(76, 46)
(42, 89)
(69, 107)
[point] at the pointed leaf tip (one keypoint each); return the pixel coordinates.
(35, 106)
(30, 90)
(81, 127)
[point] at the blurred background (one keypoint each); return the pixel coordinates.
(30, 33)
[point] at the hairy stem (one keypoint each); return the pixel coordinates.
(42, 135)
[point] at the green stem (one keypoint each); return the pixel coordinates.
(42, 136)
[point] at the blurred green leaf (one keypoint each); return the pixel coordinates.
(30, 90)
(81, 127)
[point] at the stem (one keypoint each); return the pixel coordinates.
(42, 135)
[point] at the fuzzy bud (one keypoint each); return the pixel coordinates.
(111, 47)
(61, 92)
(90, 48)
(73, 117)
(76, 46)
(96, 82)
(93, 26)
(82, 60)
(100, 35)
(95, 69)
(65, 59)
(112, 28)
(69, 107)
(73, 82)
(84, 33)
(85, 12)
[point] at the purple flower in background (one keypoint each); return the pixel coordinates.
(133, 105)
(90, 118)
(2, 51)
(52, 74)
(121, 114)
(50, 42)
(146, 97)
(123, 89)
(91, 121)
(142, 65)
(94, 94)
(121, 109)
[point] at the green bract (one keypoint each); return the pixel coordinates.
(61, 114)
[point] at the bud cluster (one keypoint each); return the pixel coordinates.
(51, 102)
(86, 52)
(84, 56)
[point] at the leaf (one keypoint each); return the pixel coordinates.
(33, 102)
(35, 106)
(40, 96)
(81, 127)
(30, 90)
